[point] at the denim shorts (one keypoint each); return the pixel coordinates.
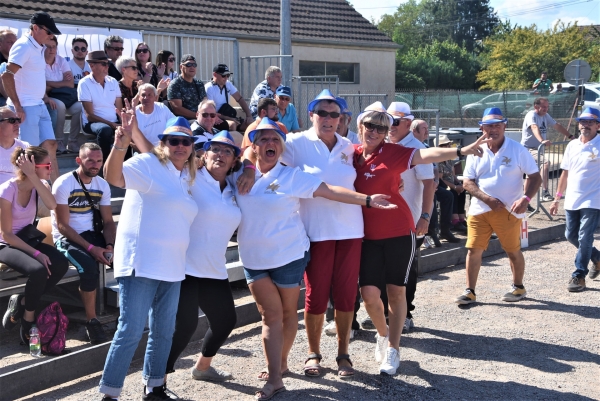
(286, 276)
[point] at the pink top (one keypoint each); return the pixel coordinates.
(21, 216)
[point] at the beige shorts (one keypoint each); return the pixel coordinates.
(534, 153)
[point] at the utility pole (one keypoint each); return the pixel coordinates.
(285, 45)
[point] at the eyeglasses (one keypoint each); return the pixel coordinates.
(323, 114)
(102, 63)
(11, 120)
(138, 51)
(223, 150)
(48, 166)
(587, 122)
(45, 30)
(188, 65)
(80, 49)
(171, 60)
(224, 76)
(133, 67)
(207, 115)
(287, 99)
(381, 129)
(177, 141)
(117, 49)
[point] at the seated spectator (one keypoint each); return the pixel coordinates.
(266, 88)
(75, 232)
(61, 90)
(344, 124)
(286, 112)
(446, 200)
(9, 141)
(267, 107)
(204, 126)
(79, 67)
(218, 90)
(7, 40)
(148, 72)
(448, 180)
(420, 130)
(128, 85)
(186, 92)
(151, 115)
(168, 59)
(42, 263)
(113, 47)
(100, 95)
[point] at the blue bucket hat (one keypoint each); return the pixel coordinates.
(284, 91)
(177, 126)
(589, 113)
(492, 115)
(225, 138)
(265, 124)
(324, 95)
(344, 106)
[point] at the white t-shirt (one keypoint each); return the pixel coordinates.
(413, 184)
(218, 217)
(543, 123)
(500, 175)
(30, 80)
(153, 124)
(154, 227)
(172, 75)
(271, 233)
(353, 137)
(102, 98)
(582, 160)
(67, 191)
(217, 95)
(55, 71)
(325, 219)
(78, 72)
(7, 169)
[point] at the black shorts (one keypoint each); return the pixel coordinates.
(386, 261)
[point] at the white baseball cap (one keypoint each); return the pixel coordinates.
(400, 110)
(377, 106)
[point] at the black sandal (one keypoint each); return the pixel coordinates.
(317, 367)
(348, 371)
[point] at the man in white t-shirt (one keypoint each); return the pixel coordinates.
(74, 232)
(580, 181)
(9, 132)
(495, 182)
(25, 84)
(79, 67)
(151, 116)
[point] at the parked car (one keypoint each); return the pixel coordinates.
(592, 93)
(560, 104)
(511, 103)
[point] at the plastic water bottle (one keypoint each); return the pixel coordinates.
(34, 342)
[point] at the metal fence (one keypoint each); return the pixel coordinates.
(357, 102)
(252, 71)
(548, 161)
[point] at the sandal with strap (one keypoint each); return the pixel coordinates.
(311, 367)
(345, 372)
(263, 375)
(267, 392)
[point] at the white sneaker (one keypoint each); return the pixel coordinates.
(380, 347)
(391, 362)
(330, 329)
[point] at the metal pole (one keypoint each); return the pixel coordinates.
(437, 128)
(285, 46)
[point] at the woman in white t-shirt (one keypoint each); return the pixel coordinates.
(150, 249)
(273, 244)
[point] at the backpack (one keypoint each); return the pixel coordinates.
(52, 325)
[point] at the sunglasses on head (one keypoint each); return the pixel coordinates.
(80, 49)
(48, 166)
(323, 113)
(11, 120)
(381, 129)
(118, 49)
(133, 67)
(177, 141)
(188, 65)
(138, 51)
(211, 115)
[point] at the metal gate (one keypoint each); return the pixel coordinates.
(253, 72)
(306, 88)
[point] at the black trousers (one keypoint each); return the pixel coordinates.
(459, 202)
(446, 200)
(216, 301)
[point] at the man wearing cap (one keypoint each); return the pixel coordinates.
(267, 107)
(99, 94)
(581, 176)
(286, 112)
(344, 124)
(266, 88)
(186, 92)
(113, 47)
(495, 182)
(25, 84)
(534, 134)
(218, 90)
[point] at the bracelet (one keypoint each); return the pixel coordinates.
(120, 149)
(89, 248)
(527, 197)
(458, 153)
(559, 195)
(250, 166)
(36, 253)
(368, 201)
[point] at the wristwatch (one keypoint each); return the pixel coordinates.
(458, 148)
(425, 216)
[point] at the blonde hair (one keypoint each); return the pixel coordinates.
(377, 117)
(260, 133)
(38, 153)
(163, 158)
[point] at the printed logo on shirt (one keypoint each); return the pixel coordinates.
(345, 159)
(593, 155)
(369, 175)
(234, 201)
(78, 203)
(272, 188)
(506, 161)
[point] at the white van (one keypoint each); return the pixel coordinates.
(592, 93)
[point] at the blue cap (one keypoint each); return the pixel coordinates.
(324, 95)
(344, 106)
(589, 113)
(492, 115)
(225, 138)
(265, 124)
(177, 126)
(284, 91)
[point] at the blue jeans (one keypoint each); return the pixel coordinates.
(139, 298)
(581, 225)
(37, 127)
(105, 135)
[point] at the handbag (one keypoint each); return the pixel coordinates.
(226, 108)
(30, 234)
(97, 216)
(66, 95)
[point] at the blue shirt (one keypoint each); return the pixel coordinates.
(290, 120)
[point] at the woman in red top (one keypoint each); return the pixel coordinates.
(389, 243)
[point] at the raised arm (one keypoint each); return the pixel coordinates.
(436, 155)
(341, 194)
(113, 168)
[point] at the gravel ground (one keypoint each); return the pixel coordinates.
(542, 348)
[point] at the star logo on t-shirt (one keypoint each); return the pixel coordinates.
(593, 154)
(344, 157)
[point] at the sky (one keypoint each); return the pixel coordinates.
(543, 13)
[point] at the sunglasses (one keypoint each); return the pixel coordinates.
(118, 49)
(80, 49)
(224, 76)
(171, 60)
(287, 99)
(138, 51)
(48, 166)
(133, 67)
(211, 115)
(381, 129)
(223, 150)
(45, 30)
(102, 63)
(323, 113)
(188, 65)
(396, 122)
(11, 120)
(177, 141)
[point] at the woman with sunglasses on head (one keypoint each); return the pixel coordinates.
(389, 242)
(43, 264)
(150, 249)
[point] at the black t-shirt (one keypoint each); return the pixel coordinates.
(3, 59)
(113, 72)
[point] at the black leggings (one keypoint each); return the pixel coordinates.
(459, 202)
(216, 301)
(38, 280)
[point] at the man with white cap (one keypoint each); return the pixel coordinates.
(581, 176)
(495, 182)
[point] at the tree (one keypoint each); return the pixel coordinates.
(406, 25)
